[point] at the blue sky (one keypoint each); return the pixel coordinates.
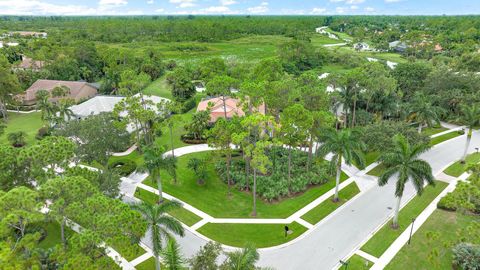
(254, 7)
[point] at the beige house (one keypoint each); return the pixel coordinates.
(77, 91)
(30, 64)
(233, 107)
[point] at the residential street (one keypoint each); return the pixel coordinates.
(321, 248)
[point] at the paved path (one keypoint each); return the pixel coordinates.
(126, 153)
(344, 231)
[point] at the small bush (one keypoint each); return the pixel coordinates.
(466, 256)
(42, 133)
(124, 167)
(188, 105)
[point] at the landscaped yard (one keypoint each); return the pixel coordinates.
(445, 225)
(160, 88)
(147, 265)
(327, 207)
(212, 197)
(261, 235)
(179, 120)
(429, 131)
(379, 243)
(444, 137)
(29, 123)
(457, 168)
(53, 237)
(181, 214)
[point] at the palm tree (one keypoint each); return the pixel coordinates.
(17, 139)
(44, 105)
(171, 167)
(424, 112)
(470, 117)
(402, 162)
(154, 161)
(243, 259)
(64, 111)
(161, 224)
(345, 145)
(172, 257)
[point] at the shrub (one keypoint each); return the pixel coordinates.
(42, 132)
(466, 256)
(189, 104)
(124, 167)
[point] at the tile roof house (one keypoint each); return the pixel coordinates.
(233, 107)
(30, 64)
(78, 91)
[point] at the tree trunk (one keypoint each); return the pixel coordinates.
(469, 138)
(337, 178)
(3, 110)
(62, 233)
(289, 166)
(224, 107)
(254, 213)
(229, 158)
(171, 141)
(247, 173)
(419, 128)
(310, 153)
(159, 186)
(397, 210)
(354, 111)
(157, 262)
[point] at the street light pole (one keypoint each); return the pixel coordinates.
(411, 231)
(344, 264)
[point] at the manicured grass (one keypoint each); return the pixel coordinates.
(159, 87)
(377, 171)
(128, 250)
(433, 130)
(356, 262)
(327, 207)
(181, 214)
(53, 236)
(260, 235)
(135, 156)
(180, 121)
(446, 225)
(371, 157)
(29, 123)
(457, 168)
(212, 197)
(147, 265)
(320, 40)
(333, 69)
(377, 245)
(444, 137)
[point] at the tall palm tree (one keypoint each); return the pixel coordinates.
(402, 162)
(154, 161)
(470, 117)
(424, 112)
(161, 224)
(64, 111)
(243, 259)
(44, 105)
(172, 257)
(345, 145)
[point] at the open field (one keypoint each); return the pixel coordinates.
(29, 123)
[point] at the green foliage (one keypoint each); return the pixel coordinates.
(198, 124)
(297, 56)
(199, 167)
(206, 257)
(123, 167)
(17, 139)
(466, 256)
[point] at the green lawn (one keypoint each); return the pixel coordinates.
(147, 265)
(159, 88)
(377, 245)
(444, 137)
(261, 235)
(53, 236)
(327, 207)
(457, 168)
(127, 250)
(181, 214)
(433, 130)
(356, 262)
(180, 121)
(29, 123)
(320, 40)
(446, 225)
(212, 196)
(377, 171)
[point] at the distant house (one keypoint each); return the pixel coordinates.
(30, 64)
(232, 106)
(94, 106)
(361, 46)
(77, 91)
(398, 46)
(8, 44)
(28, 34)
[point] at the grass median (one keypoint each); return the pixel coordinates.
(382, 239)
(458, 168)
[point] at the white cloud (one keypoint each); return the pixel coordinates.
(353, 7)
(392, 1)
(340, 10)
(112, 3)
(351, 1)
(160, 10)
(216, 9)
(150, 2)
(35, 7)
(369, 9)
(227, 2)
(184, 3)
(262, 8)
(318, 10)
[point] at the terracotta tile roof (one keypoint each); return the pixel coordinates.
(29, 63)
(232, 106)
